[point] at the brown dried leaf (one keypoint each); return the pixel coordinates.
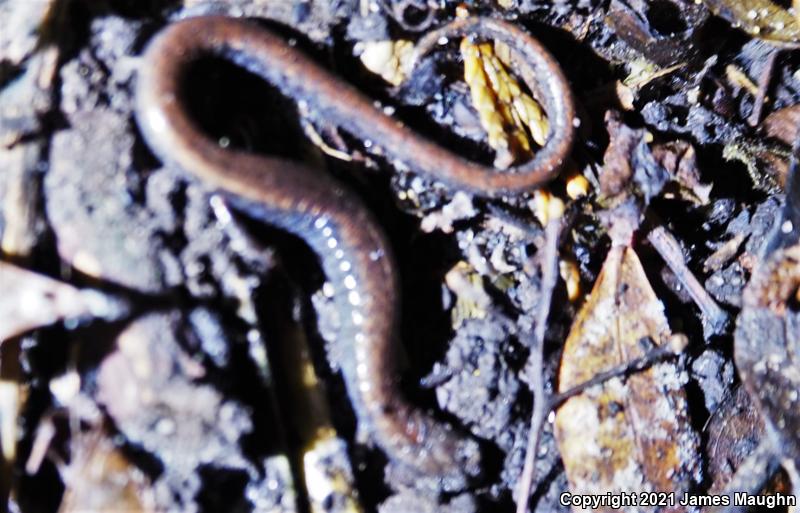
(617, 170)
(617, 176)
(783, 124)
(631, 21)
(734, 432)
(631, 435)
(766, 345)
(101, 478)
(763, 19)
(680, 160)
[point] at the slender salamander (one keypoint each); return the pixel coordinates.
(352, 249)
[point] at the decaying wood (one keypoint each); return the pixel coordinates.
(715, 319)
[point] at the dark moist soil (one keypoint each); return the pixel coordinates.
(213, 308)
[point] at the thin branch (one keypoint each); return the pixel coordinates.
(655, 355)
(715, 319)
(540, 404)
(763, 85)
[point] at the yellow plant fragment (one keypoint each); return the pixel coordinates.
(327, 479)
(525, 106)
(577, 186)
(571, 276)
(631, 434)
(540, 204)
(510, 116)
(739, 78)
(641, 72)
(472, 301)
(12, 397)
(388, 59)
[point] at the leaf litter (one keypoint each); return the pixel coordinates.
(668, 230)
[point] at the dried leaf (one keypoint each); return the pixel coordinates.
(783, 124)
(101, 478)
(633, 23)
(766, 345)
(734, 432)
(629, 167)
(631, 435)
(764, 19)
(680, 160)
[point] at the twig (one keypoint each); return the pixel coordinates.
(763, 84)
(540, 405)
(715, 319)
(655, 355)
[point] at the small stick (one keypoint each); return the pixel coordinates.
(715, 319)
(540, 403)
(763, 85)
(669, 350)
